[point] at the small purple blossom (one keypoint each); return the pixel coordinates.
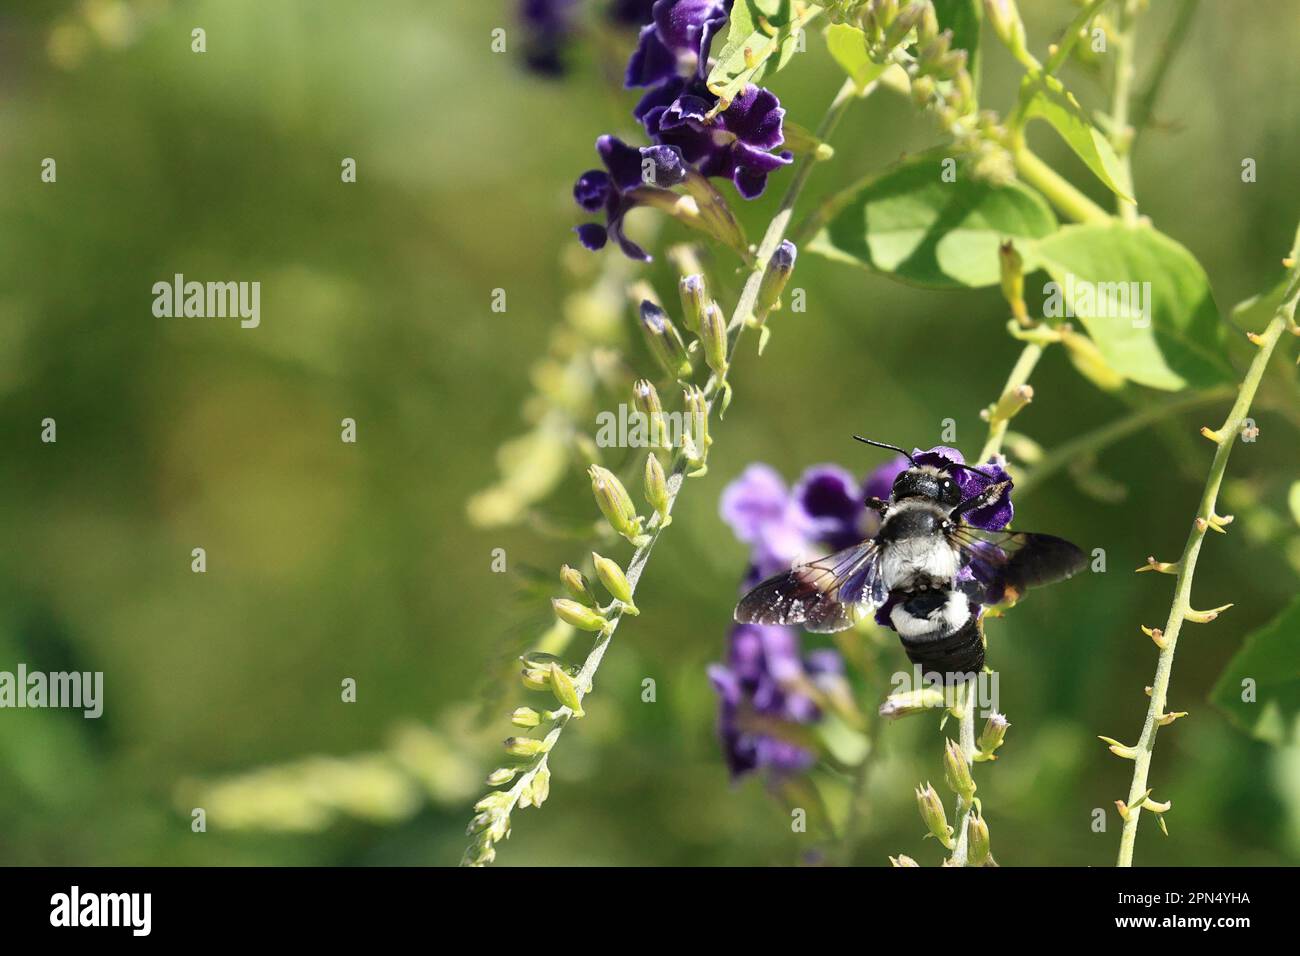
(756, 684)
(675, 43)
(611, 189)
(735, 144)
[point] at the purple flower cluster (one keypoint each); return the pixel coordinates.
(762, 684)
(671, 62)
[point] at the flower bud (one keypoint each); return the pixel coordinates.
(695, 299)
(541, 788)
(713, 336)
(932, 813)
(912, 702)
(615, 582)
(902, 860)
(501, 775)
(977, 841)
(579, 615)
(665, 341)
(646, 399)
(1089, 362)
(695, 437)
(616, 505)
(656, 489)
(525, 746)
(995, 729)
(536, 679)
(775, 277)
(575, 582)
(525, 717)
(1005, 19)
(1013, 279)
(956, 771)
(902, 24)
(565, 690)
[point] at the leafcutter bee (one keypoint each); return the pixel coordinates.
(926, 566)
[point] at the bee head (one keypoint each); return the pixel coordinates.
(928, 483)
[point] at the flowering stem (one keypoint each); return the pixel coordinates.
(1019, 378)
(1181, 608)
(966, 740)
(676, 477)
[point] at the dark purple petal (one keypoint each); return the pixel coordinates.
(754, 117)
(651, 61)
(622, 161)
(592, 235)
(592, 189)
(667, 167)
(997, 514)
(829, 495)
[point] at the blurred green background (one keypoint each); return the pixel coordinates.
(329, 560)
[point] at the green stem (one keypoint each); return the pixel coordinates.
(1164, 59)
(966, 740)
(1059, 192)
(1181, 608)
(1112, 432)
(1071, 36)
(1020, 373)
(1121, 135)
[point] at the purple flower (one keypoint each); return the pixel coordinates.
(611, 189)
(826, 507)
(676, 41)
(972, 479)
(757, 687)
(548, 25)
(733, 145)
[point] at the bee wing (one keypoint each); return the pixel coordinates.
(1006, 563)
(826, 595)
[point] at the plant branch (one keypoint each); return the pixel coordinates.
(1059, 191)
(1181, 608)
(1121, 135)
(510, 799)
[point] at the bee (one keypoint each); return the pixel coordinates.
(926, 566)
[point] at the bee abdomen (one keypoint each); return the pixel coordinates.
(939, 632)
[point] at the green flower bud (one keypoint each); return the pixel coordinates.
(616, 505)
(977, 841)
(656, 489)
(932, 813)
(911, 702)
(615, 582)
(995, 729)
(695, 438)
(535, 679)
(956, 771)
(525, 717)
(775, 277)
(579, 615)
(575, 582)
(646, 400)
(540, 660)
(902, 24)
(1005, 20)
(695, 299)
(665, 341)
(713, 336)
(1013, 280)
(501, 775)
(565, 690)
(541, 788)
(525, 746)
(902, 860)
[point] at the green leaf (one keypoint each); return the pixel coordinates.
(761, 39)
(1270, 658)
(848, 46)
(1253, 314)
(911, 224)
(962, 17)
(1175, 340)
(1052, 102)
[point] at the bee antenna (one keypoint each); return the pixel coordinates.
(978, 471)
(881, 444)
